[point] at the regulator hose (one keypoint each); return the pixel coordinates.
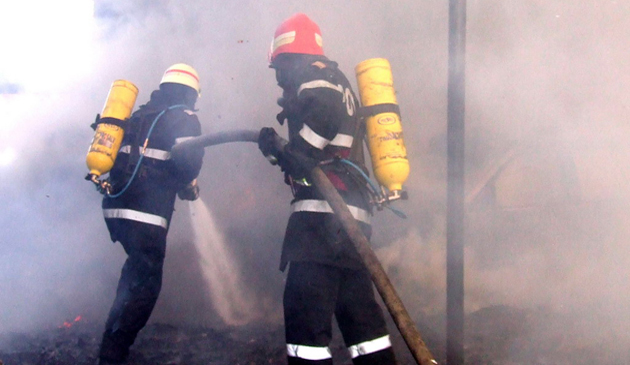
(135, 170)
(383, 285)
(373, 187)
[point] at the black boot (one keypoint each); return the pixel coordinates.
(114, 350)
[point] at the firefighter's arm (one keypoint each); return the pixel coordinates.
(187, 162)
(315, 105)
(320, 103)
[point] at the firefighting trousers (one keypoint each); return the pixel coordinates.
(139, 285)
(312, 295)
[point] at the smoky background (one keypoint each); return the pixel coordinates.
(547, 157)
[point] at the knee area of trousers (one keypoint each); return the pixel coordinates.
(147, 262)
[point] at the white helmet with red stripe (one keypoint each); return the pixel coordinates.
(181, 73)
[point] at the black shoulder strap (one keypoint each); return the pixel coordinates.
(356, 150)
(124, 124)
(368, 111)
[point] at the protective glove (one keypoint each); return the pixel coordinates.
(189, 192)
(279, 152)
(270, 144)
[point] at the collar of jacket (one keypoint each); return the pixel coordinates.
(291, 68)
(160, 100)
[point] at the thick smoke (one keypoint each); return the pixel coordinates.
(546, 95)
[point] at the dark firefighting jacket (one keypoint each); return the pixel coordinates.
(321, 110)
(150, 197)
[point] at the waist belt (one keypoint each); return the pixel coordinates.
(322, 206)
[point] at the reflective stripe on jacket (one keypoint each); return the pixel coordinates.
(137, 216)
(322, 206)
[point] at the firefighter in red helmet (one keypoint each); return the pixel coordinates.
(326, 276)
(145, 180)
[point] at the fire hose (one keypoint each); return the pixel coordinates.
(392, 301)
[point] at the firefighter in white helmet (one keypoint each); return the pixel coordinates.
(145, 181)
(326, 276)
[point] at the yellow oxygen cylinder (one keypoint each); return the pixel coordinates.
(383, 127)
(109, 132)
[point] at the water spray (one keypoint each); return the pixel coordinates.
(219, 268)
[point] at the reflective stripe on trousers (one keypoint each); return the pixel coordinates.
(322, 206)
(137, 216)
(370, 347)
(308, 352)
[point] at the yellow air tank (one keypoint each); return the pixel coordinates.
(109, 132)
(383, 127)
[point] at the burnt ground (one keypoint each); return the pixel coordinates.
(494, 335)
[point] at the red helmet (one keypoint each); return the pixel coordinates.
(297, 34)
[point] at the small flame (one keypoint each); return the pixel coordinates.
(67, 324)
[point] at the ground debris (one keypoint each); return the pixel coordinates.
(496, 335)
